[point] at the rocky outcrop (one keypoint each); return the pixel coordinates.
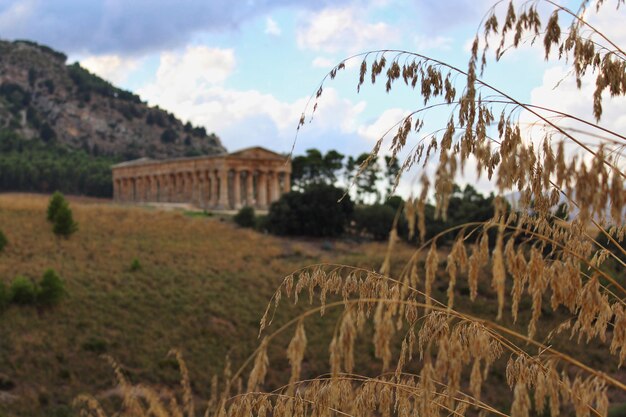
(41, 97)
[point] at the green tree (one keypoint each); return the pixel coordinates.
(56, 202)
(375, 220)
(51, 288)
(5, 296)
(364, 173)
(3, 240)
(317, 211)
(391, 174)
(315, 168)
(23, 291)
(64, 224)
(245, 217)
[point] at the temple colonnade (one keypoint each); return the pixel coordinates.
(252, 177)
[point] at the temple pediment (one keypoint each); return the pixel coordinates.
(257, 152)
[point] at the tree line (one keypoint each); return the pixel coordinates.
(34, 165)
(372, 184)
(333, 195)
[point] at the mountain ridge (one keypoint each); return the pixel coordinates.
(42, 97)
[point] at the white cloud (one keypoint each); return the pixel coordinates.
(382, 124)
(424, 43)
(113, 68)
(271, 27)
(342, 30)
(181, 76)
(323, 62)
(558, 91)
(190, 84)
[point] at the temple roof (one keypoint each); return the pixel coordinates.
(253, 152)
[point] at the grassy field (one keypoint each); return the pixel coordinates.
(202, 288)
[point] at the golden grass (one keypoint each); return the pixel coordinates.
(203, 287)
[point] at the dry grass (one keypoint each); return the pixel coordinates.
(203, 286)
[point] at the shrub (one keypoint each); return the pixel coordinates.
(4, 296)
(317, 211)
(169, 136)
(56, 201)
(375, 220)
(64, 224)
(245, 217)
(23, 291)
(3, 240)
(96, 345)
(135, 265)
(51, 289)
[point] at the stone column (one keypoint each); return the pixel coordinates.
(122, 193)
(171, 194)
(186, 197)
(125, 189)
(223, 190)
(137, 194)
(286, 182)
(274, 187)
(154, 193)
(237, 190)
(116, 190)
(206, 190)
(192, 192)
(198, 189)
(133, 190)
(164, 189)
(180, 187)
(214, 188)
(250, 188)
(261, 190)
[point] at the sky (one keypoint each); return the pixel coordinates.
(245, 69)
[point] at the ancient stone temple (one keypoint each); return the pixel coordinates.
(254, 177)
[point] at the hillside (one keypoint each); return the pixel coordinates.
(202, 287)
(61, 127)
(43, 97)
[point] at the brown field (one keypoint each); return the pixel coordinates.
(202, 288)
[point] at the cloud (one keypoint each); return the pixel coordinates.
(128, 27)
(382, 124)
(271, 27)
(322, 62)
(182, 75)
(425, 43)
(558, 91)
(112, 68)
(342, 29)
(192, 85)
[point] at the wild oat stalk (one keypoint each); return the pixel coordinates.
(434, 358)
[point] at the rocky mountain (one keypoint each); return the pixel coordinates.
(42, 98)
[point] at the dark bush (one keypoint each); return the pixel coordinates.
(96, 345)
(55, 203)
(315, 212)
(47, 133)
(245, 217)
(51, 289)
(169, 136)
(64, 224)
(5, 297)
(375, 221)
(3, 241)
(23, 291)
(135, 265)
